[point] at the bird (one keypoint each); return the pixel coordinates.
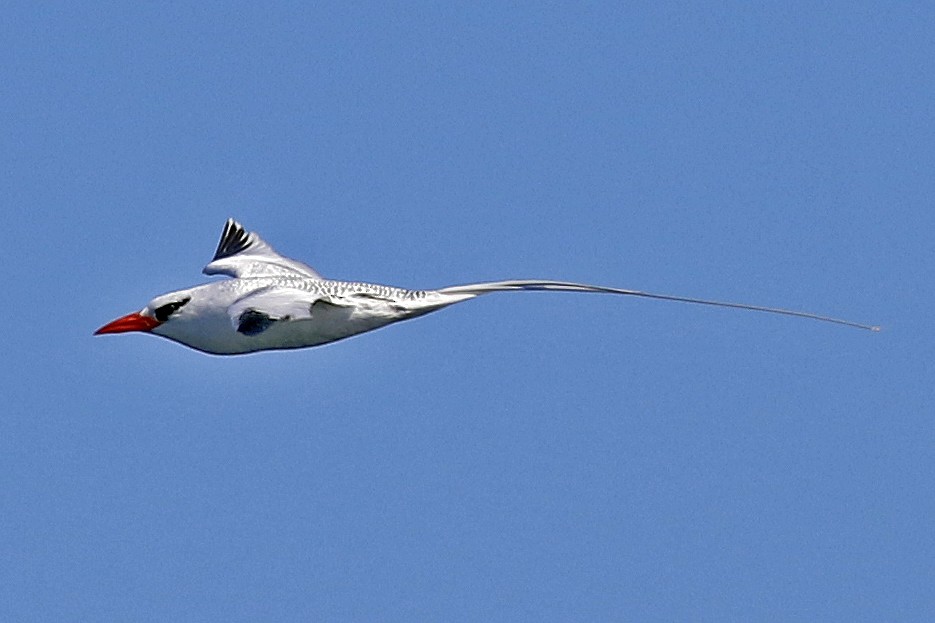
(273, 302)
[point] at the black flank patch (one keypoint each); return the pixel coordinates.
(253, 322)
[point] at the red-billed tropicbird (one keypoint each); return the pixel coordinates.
(274, 302)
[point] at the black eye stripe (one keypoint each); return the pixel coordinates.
(163, 312)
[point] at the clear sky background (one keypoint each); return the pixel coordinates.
(540, 457)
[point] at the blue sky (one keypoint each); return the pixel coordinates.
(547, 457)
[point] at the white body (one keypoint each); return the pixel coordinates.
(274, 302)
(310, 312)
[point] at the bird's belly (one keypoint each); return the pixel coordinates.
(326, 325)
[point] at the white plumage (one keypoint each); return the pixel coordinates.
(274, 302)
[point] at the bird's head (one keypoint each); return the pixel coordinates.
(196, 317)
(161, 312)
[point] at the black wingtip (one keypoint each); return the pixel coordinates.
(234, 239)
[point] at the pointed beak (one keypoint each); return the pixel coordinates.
(130, 322)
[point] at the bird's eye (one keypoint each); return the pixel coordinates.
(163, 312)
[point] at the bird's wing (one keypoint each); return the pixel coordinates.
(244, 254)
(273, 305)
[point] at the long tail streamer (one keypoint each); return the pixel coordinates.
(567, 286)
